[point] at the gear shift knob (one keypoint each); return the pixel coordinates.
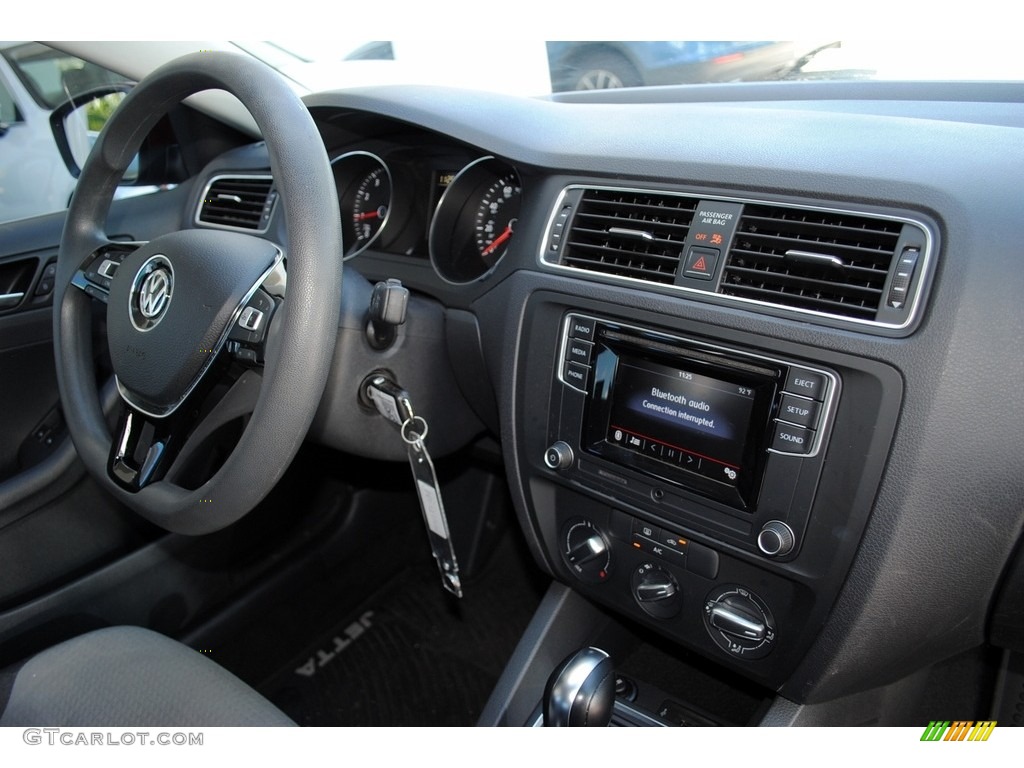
(581, 690)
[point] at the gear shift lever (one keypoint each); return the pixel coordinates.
(581, 690)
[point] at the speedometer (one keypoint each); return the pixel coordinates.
(496, 217)
(475, 221)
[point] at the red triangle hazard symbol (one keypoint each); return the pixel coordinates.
(700, 265)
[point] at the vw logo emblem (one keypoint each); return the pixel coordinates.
(151, 293)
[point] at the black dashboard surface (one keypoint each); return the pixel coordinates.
(924, 496)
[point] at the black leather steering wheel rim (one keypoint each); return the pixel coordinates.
(305, 326)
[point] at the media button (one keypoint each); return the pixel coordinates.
(577, 351)
(796, 410)
(790, 439)
(581, 328)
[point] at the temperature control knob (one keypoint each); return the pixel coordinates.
(739, 622)
(657, 591)
(776, 539)
(585, 550)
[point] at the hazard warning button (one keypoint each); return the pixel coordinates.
(701, 262)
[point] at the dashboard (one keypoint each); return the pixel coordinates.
(752, 359)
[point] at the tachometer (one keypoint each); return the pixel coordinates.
(364, 196)
(475, 221)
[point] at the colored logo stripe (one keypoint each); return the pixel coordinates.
(935, 730)
(982, 730)
(959, 730)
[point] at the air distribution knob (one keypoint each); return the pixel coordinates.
(776, 539)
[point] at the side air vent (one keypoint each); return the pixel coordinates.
(834, 263)
(238, 202)
(628, 233)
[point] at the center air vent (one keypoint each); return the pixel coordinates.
(238, 202)
(821, 264)
(628, 233)
(836, 263)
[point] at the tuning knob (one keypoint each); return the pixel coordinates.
(776, 539)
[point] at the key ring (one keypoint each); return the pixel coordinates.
(417, 437)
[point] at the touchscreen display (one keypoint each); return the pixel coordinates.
(683, 418)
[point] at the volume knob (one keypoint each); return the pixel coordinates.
(558, 456)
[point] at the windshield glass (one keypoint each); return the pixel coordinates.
(534, 68)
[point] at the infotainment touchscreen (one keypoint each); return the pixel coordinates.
(694, 417)
(678, 416)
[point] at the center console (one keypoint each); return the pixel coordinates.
(711, 486)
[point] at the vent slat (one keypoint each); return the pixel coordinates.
(756, 266)
(236, 202)
(847, 309)
(661, 222)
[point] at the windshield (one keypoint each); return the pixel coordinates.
(535, 68)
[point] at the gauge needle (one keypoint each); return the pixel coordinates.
(367, 215)
(505, 235)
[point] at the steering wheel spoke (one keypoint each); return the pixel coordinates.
(142, 449)
(97, 272)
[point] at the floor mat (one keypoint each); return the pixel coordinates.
(411, 654)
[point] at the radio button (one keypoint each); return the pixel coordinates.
(577, 375)
(790, 439)
(796, 410)
(578, 351)
(581, 328)
(806, 383)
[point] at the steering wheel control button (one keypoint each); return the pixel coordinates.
(776, 539)
(151, 293)
(739, 622)
(656, 591)
(790, 439)
(558, 456)
(254, 319)
(251, 319)
(581, 328)
(701, 263)
(806, 383)
(797, 410)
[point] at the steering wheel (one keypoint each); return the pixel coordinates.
(200, 329)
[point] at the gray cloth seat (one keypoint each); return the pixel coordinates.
(128, 676)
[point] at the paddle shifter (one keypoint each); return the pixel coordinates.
(581, 690)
